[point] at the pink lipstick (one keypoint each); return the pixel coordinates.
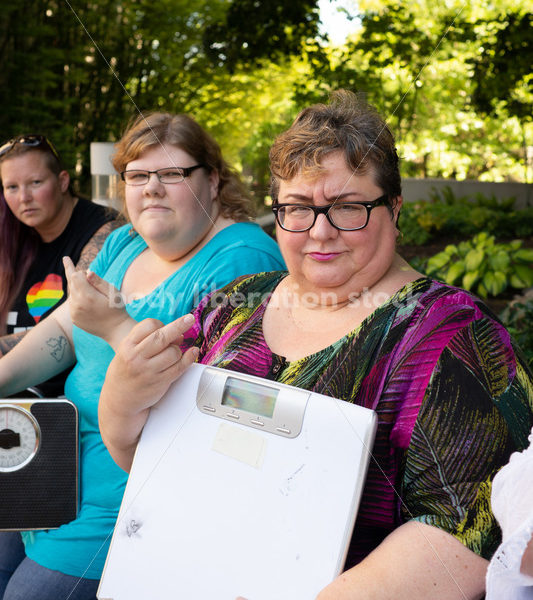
(323, 256)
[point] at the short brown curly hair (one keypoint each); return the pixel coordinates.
(349, 124)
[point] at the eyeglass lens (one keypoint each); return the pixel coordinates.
(142, 177)
(345, 216)
(168, 175)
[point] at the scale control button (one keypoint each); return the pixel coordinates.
(209, 408)
(283, 430)
(233, 416)
(257, 422)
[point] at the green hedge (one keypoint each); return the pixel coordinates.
(446, 216)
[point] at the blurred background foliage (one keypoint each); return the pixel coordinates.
(444, 216)
(454, 78)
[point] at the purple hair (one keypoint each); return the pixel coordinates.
(17, 251)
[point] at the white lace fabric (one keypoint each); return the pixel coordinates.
(512, 503)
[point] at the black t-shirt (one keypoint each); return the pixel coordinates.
(45, 286)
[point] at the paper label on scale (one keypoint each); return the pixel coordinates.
(246, 446)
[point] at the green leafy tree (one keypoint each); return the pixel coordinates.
(502, 69)
(415, 60)
(252, 31)
(77, 72)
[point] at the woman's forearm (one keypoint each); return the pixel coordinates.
(120, 431)
(9, 341)
(415, 562)
(43, 352)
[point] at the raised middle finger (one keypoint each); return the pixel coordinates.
(152, 340)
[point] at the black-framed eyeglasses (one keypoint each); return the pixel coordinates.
(32, 140)
(168, 175)
(346, 216)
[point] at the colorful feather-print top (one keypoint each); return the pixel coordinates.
(453, 398)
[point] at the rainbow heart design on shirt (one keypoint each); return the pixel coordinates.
(43, 295)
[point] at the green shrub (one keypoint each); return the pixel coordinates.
(445, 215)
(517, 223)
(413, 232)
(483, 266)
(418, 263)
(518, 318)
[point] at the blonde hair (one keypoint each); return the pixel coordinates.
(184, 132)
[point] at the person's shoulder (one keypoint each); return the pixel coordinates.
(432, 309)
(123, 235)
(120, 238)
(90, 215)
(248, 244)
(115, 244)
(252, 281)
(243, 295)
(247, 234)
(257, 280)
(255, 285)
(86, 206)
(434, 294)
(476, 332)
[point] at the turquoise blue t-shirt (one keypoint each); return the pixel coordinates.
(79, 548)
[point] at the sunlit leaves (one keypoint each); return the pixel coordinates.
(484, 266)
(416, 60)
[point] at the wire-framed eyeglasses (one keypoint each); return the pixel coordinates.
(168, 175)
(33, 140)
(346, 216)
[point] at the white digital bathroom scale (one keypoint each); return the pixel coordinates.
(240, 486)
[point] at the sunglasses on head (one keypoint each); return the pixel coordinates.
(32, 140)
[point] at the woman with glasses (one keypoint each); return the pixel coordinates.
(41, 220)
(190, 234)
(351, 319)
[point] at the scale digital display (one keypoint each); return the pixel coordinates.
(248, 396)
(270, 406)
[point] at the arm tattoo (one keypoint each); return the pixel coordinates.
(93, 246)
(8, 342)
(57, 347)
